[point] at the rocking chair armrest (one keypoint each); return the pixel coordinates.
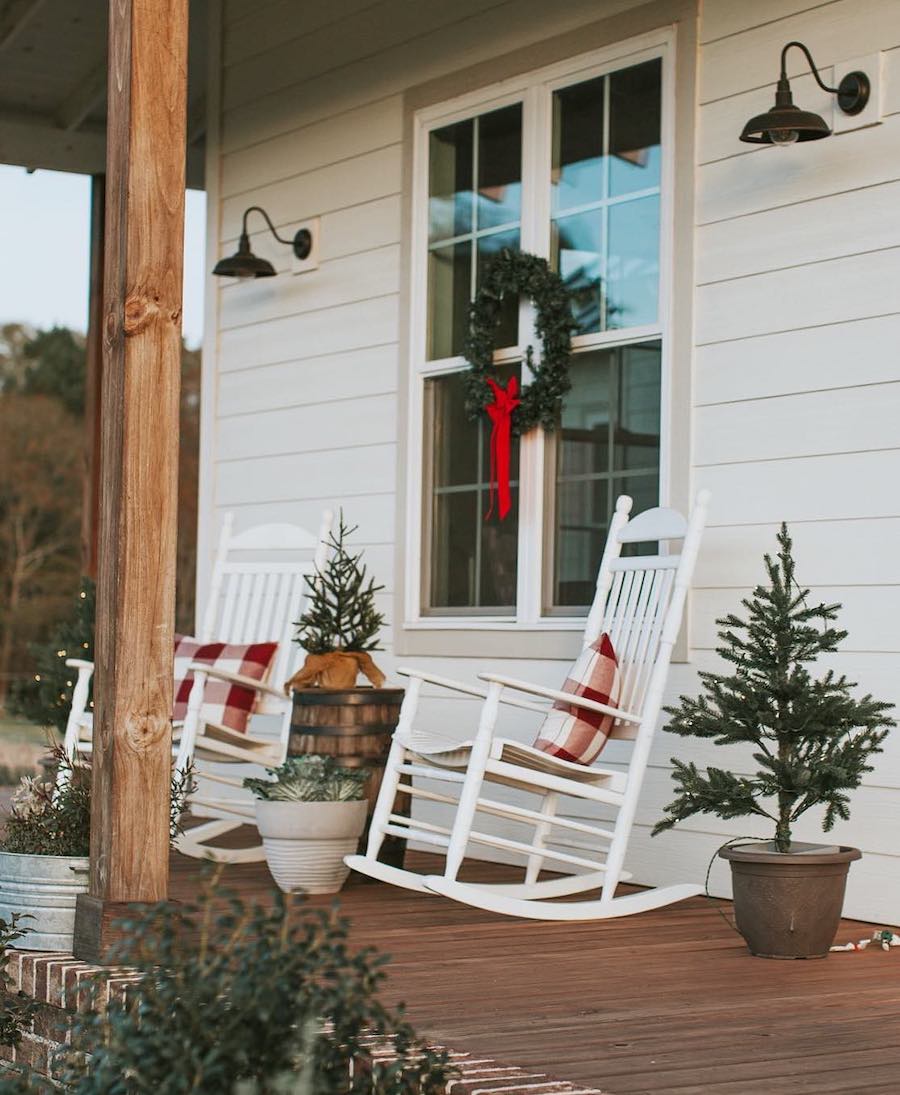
(237, 678)
(79, 663)
(557, 695)
(467, 689)
(443, 682)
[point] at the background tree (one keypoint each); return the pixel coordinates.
(40, 503)
(42, 386)
(812, 737)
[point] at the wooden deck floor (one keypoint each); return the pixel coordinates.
(669, 1001)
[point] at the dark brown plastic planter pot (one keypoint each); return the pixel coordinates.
(788, 905)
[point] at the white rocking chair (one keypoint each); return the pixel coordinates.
(257, 592)
(639, 603)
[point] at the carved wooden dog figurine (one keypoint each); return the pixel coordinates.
(339, 669)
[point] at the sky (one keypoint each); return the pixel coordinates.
(44, 229)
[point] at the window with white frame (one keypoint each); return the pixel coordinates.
(572, 163)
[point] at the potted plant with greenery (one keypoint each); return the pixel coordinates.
(310, 813)
(44, 851)
(44, 856)
(331, 714)
(812, 739)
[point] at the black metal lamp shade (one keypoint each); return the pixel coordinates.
(244, 264)
(786, 124)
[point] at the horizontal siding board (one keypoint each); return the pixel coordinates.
(370, 371)
(312, 427)
(252, 32)
(374, 513)
(327, 475)
(837, 487)
(859, 221)
(336, 186)
(336, 282)
(805, 296)
(868, 613)
(374, 125)
(331, 330)
(769, 177)
(834, 32)
(827, 552)
(810, 424)
(361, 227)
(726, 18)
(836, 355)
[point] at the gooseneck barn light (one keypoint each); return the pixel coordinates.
(244, 264)
(785, 124)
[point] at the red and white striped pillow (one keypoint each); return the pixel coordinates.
(575, 733)
(224, 704)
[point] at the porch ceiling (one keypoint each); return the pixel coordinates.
(53, 67)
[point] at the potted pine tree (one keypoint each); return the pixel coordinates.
(812, 739)
(332, 715)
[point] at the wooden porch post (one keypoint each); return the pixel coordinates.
(90, 509)
(139, 460)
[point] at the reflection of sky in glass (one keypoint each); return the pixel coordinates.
(633, 263)
(466, 213)
(606, 237)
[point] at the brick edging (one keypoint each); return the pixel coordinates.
(56, 982)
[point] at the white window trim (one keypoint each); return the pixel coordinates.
(534, 90)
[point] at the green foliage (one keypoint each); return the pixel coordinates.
(47, 822)
(812, 737)
(517, 272)
(341, 613)
(310, 778)
(57, 367)
(16, 1009)
(247, 1001)
(47, 697)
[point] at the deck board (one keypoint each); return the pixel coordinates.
(667, 1001)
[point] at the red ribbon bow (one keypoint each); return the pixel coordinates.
(500, 412)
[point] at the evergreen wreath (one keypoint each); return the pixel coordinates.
(519, 272)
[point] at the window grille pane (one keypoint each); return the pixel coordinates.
(605, 196)
(470, 563)
(500, 167)
(449, 281)
(475, 208)
(632, 265)
(450, 181)
(634, 127)
(608, 444)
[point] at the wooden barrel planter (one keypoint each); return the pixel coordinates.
(353, 725)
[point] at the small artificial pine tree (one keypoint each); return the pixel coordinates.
(47, 696)
(812, 737)
(341, 613)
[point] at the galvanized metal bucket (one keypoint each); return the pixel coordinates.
(45, 887)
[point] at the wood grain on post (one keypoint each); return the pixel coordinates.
(139, 455)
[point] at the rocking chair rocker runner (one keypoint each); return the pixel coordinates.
(639, 603)
(257, 592)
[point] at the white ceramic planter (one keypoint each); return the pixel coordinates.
(45, 887)
(305, 842)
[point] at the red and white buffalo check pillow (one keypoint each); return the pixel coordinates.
(575, 733)
(224, 704)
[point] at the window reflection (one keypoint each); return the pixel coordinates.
(607, 445)
(605, 196)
